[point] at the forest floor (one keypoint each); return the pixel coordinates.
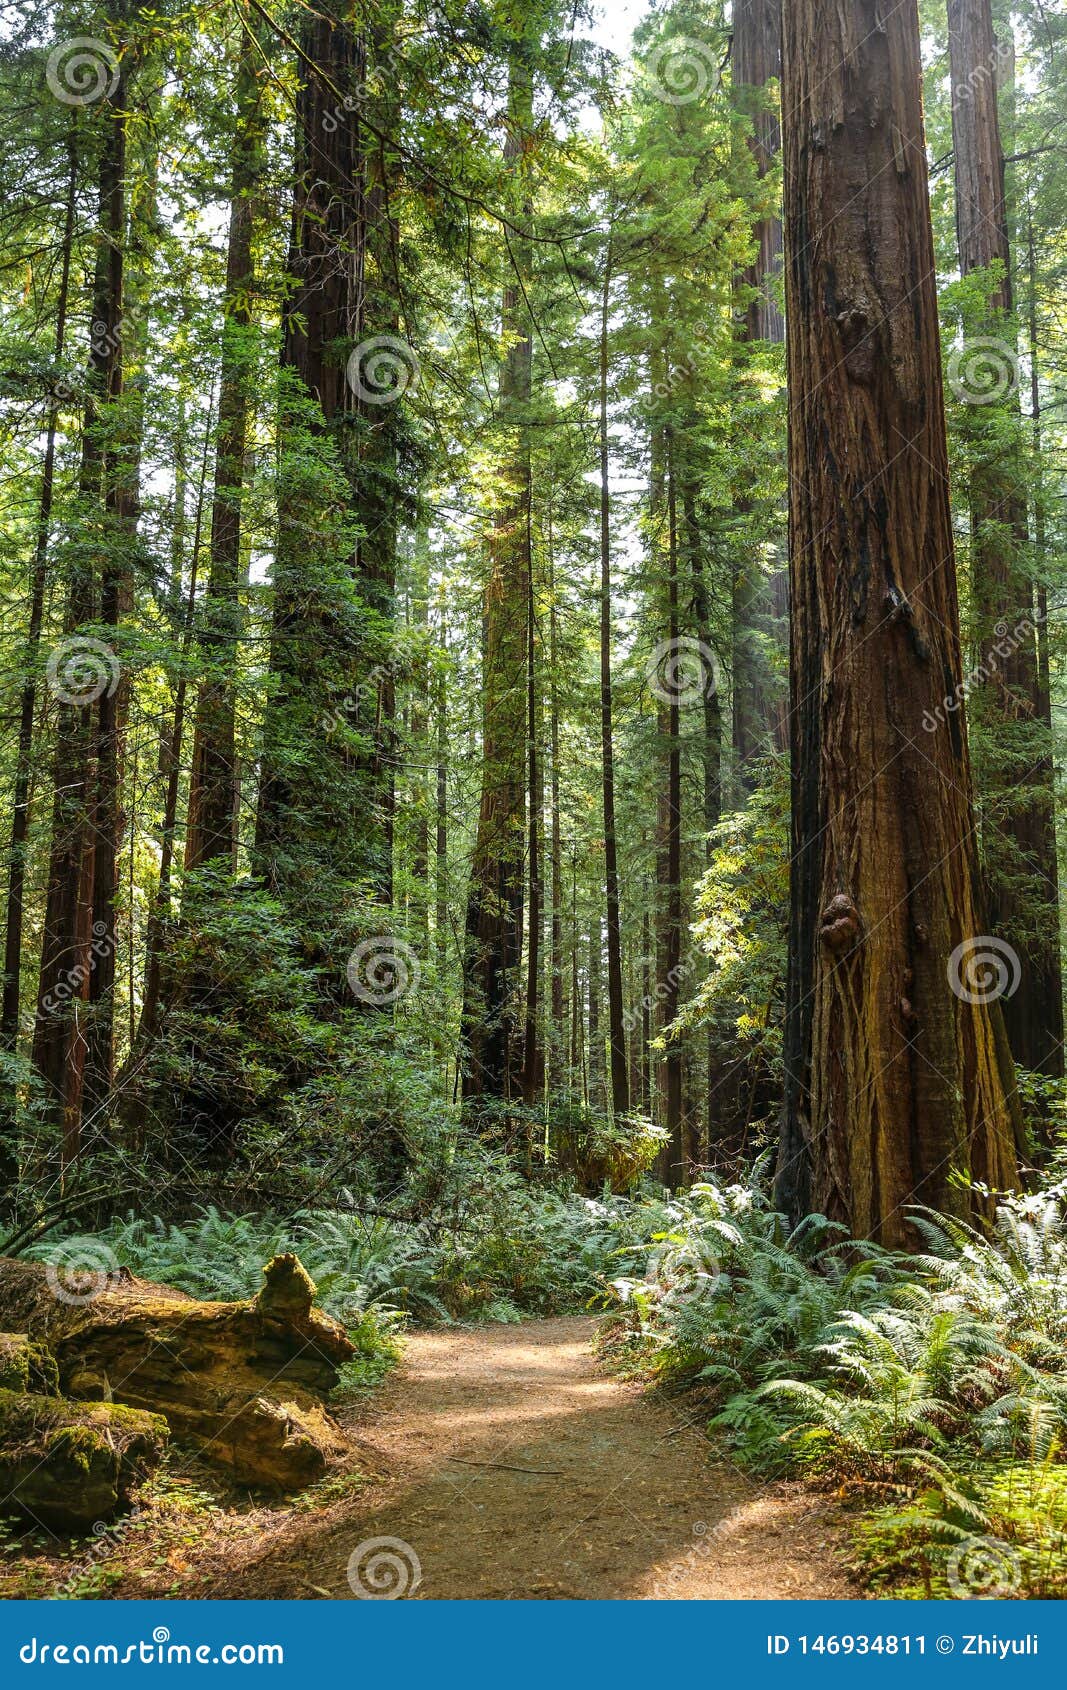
(514, 1465)
(499, 1461)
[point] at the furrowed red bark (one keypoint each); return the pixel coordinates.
(894, 1082)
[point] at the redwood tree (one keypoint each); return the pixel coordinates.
(1003, 592)
(897, 1070)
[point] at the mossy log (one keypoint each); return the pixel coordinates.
(243, 1382)
(66, 1465)
(26, 1366)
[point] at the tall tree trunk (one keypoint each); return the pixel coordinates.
(620, 1079)
(441, 828)
(1004, 594)
(495, 899)
(669, 945)
(171, 768)
(757, 721)
(420, 738)
(559, 1017)
(646, 1005)
(324, 820)
(532, 1068)
(578, 1089)
(212, 812)
(712, 763)
(20, 812)
(70, 951)
(898, 1075)
(757, 60)
(125, 329)
(596, 1094)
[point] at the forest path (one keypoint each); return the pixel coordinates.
(516, 1466)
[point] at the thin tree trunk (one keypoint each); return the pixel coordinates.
(620, 1080)
(559, 1022)
(20, 817)
(441, 830)
(122, 462)
(670, 866)
(758, 724)
(1034, 1011)
(712, 762)
(171, 769)
(596, 1094)
(531, 1069)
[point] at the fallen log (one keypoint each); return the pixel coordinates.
(26, 1366)
(67, 1465)
(243, 1382)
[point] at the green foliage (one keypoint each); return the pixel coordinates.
(494, 1249)
(941, 1379)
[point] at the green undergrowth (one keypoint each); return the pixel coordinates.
(930, 1388)
(497, 1250)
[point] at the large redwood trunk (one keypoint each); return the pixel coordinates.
(895, 1081)
(1003, 592)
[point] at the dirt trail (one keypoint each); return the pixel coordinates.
(515, 1466)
